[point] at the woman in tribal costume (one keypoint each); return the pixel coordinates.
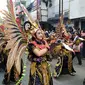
(64, 60)
(63, 52)
(39, 69)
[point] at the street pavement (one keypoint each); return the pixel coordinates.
(63, 79)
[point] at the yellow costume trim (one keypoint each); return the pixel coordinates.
(69, 55)
(33, 68)
(45, 73)
(57, 49)
(44, 68)
(40, 75)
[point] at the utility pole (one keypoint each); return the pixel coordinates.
(62, 11)
(59, 8)
(62, 7)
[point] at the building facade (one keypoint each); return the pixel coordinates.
(72, 9)
(77, 13)
(53, 12)
(39, 9)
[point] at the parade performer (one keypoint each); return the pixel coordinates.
(38, 54)
(39, 72)
(64, 58)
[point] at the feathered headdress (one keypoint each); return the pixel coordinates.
(61, 29)
(33, 25)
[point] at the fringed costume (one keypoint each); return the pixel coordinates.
(39, 70)
(62, 51)
(64, 61)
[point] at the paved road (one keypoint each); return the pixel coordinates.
(63, 79)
